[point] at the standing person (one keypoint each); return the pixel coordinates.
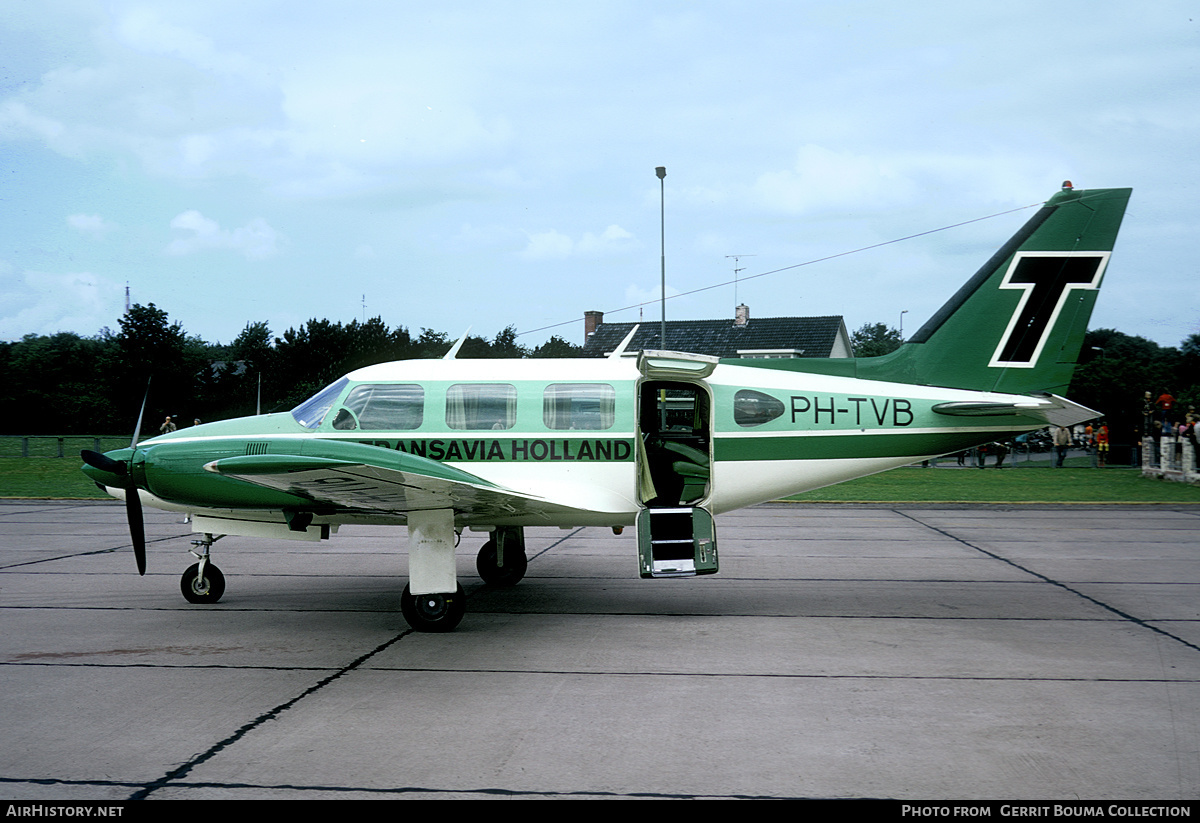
(1189, 432)
(1165, 403)
(1102, 443)
(1062, 442)
(167, 426)
(1148, 415)
(1001, 451)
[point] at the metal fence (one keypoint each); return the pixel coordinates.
(50, 445)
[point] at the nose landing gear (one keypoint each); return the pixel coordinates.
(203, 581)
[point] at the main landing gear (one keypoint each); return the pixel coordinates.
(203, 581)
(433, 612)
(502, 560)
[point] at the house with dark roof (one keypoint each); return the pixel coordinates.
(773, 337)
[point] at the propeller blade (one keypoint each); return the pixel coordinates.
(133, 501)
(137, 529)
(137, 430)
(104, 463)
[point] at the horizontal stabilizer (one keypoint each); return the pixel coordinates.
(1054, 410)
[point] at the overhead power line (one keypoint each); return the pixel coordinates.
(796, 265)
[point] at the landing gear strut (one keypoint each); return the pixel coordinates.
(203, 581)
(502, 560)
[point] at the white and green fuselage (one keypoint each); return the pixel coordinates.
(816, 430)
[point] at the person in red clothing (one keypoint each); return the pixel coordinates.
(1102, 443)
(1165, 402)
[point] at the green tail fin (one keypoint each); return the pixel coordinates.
(1018, 324)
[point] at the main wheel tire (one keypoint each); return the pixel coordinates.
(202, 590)
(510, 574)
(433, 612)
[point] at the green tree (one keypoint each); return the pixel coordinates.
(151, 350)
(874, 340)
(1116, 371)
(229, 380)
(557, 347)
(57, 384)
(505, 344)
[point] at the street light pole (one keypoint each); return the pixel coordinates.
(661, 171)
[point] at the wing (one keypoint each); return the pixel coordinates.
(357, 478)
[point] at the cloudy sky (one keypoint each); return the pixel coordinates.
(475, 164)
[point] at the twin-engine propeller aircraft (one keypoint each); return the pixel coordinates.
(662, 441)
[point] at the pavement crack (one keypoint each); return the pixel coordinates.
(216, 748)
(110, 550)
(1066, 587)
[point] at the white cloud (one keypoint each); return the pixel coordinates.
(16, 119)
(823, 180)
(612, 239)
(553, 245)
(47, 303)
(91, 224)
(255, 241)
(548, 245)
(636, 295)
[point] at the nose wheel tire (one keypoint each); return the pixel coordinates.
(433, 612)
(206, 589)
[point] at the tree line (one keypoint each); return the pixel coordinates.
(68, 384)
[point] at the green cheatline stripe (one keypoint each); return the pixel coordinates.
(850, 446)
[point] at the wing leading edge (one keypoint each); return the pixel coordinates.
(356, 478)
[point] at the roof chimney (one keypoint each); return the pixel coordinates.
(591, 319)
(742, 315)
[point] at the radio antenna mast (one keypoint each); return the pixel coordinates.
(736, 259)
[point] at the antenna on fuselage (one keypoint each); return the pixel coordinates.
(453, 353)
(620, 350)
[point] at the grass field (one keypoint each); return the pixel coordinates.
(1028, 484)
(48, 477)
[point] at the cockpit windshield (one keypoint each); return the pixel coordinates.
(312, 411)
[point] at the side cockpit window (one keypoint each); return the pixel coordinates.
(312, 411)
(579, 406)
(382, 407)
(753, 408)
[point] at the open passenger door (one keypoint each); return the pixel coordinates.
(676, 533)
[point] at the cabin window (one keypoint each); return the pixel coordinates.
(579, 406)
(481, 406)
(382, 407)
(753, 408)
(312, 411)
